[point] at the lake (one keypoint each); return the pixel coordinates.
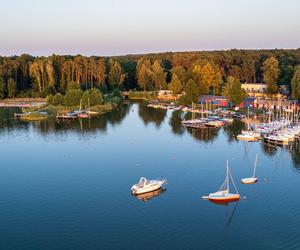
(66, 185)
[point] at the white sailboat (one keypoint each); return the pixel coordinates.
(224, 195)
(253, 179)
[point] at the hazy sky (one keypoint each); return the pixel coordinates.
(113, 27)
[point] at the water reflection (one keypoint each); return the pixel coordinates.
(295, 154)
(234, 129)
(151, 115)
(89, 127)
(204, 134)
(175, 122)
(148, 196)
(269, 149)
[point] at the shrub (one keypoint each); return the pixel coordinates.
(73, 97)
(72, 85)
(58, 99)
(92, 97)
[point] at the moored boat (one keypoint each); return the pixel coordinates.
(84, 115)
(223, 195)
(145, 185)
(253, 179)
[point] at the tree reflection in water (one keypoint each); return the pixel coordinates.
(204, 134)
(175, 123)
(88, 127)
(149, 115)
(295, 154)
(269, 149)
(234, 129)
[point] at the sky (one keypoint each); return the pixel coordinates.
(118, 27)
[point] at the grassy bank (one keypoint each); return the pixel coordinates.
(112, 103)
(34, 117)
(142, 95)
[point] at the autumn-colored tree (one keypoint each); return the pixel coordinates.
(158, 74)
(175, 85)
(271, 73)
(296, 84)
(144, 74)
(181, 74)
(207, 76)
(233, 91)
(116, 76)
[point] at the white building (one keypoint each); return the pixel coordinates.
(252, 88)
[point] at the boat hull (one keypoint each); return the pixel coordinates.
(246, 138)
(136, 189)
(251, 180)
(146, 190)
(225, 198)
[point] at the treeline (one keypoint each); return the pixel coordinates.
(207, 71)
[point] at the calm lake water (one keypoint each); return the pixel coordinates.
(66, 185)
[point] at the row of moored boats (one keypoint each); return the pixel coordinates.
(223, 195)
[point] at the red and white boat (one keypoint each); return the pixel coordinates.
(223, 195)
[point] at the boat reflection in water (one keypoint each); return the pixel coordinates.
(148, 196)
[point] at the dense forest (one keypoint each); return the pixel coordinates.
(204, 71)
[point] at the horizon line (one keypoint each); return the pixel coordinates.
(150, 53)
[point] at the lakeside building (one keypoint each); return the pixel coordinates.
(259, 90)
(255, 89)
(250, 102)
(276, 104)
(220, 101)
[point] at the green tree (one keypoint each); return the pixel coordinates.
(191, 93)
(92, 97)
(296, 84)
(2, 88)
(271, 73)
(72, 85)
(11, 88)
(58, 99)
(233, 91)
(73, 97)
(175, 85)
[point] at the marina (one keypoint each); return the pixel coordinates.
(192, 160)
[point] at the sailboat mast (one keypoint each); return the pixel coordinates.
(255, 163)
(227, 177)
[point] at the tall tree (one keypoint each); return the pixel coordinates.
(181, 74)
(159, 76)
(191, 93)
(2, 88)
(11, 88)
(233, 90)
(296, 84)
(116, 76)
(175, 85)
(144, 74)
(271, 74)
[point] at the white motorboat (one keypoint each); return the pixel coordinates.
(145, 185)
